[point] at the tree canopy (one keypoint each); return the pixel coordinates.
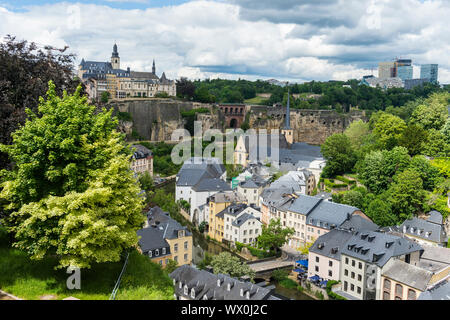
(274, 235)
(226, 263)
(71, 192)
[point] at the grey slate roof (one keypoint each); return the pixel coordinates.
(192, 172)
(408, 274)
(143, 75)
(331, 243)
(430, 229)
(156, 214)
(439, 292)
(141, 152)
(205, 283)
(357, 222)
(161, 227)
(329, 214)
(214, 184)
(233, 209)
(378, 248)
(242, 219)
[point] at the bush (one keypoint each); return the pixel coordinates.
(124, 116)
(329, 183)
(288, 283)
(280, 275)
(330, 293)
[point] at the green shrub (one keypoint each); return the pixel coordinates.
(330, 293)
(124, 116)
(280, 275)
(288, 283)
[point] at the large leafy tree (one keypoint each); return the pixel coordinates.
(24, 74)
(380, 211)
(226, 263)
(388, 129)
(340, 155)
(406, 194)
(433, 113)
(71, 193)
(274, 235)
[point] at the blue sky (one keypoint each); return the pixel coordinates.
(252, 39)
(118, 4)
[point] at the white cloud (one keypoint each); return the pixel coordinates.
(203, 39)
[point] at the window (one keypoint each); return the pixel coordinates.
(345, 285)
(330, 273)
(175, 247)
(330, 263)
(150, 253)
(317, 259)
(360, 265)
(387, 284)
(163, 250)
(411, 294)
(157, 252)
(359, 290)
(398, 291)
(386, 295)
(317, 269)
(175, 258)
(192, 293)
(353, 263)
(352, 287)
(346, 272)
(346, 260)
(353, 275)
(359, 277)
(185, 291)
(185, 245)
(185, 257)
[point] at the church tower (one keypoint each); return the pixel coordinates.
(287, 131)
(154, 67)
(115, 59)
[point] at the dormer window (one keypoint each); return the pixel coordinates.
(150, 253)
(174, 282)
(205, 297)
(180, 233)
(192, 293)
(163, 250)
(180, 285)
(242, 292)
(157, 252)
(185, 291)
(247, 295)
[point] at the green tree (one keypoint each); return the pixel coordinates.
(380, 211)
(226, 263)
(388, 130)
(105, 97)
(446, 131)
(433, 113)
(413, 139)
(428, 173)
(357, 131)
(436, 145)
(71, 193)
(406, 194)
(353, 198)
(146, 181)
(274, 236)
(171, 266)
(339, 153)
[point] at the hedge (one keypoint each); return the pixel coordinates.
(331, 184)
(261, 254)
(330, 293)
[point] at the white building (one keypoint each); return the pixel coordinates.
(198, 179)
(242, 223)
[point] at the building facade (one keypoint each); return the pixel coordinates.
(429, 71)
(142, 160)
(108, 77)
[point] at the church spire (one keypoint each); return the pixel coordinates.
(288, 114)
(154, 67)
(115, 53)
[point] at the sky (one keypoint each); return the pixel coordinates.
(289, 40)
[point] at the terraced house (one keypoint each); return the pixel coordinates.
(163, 239)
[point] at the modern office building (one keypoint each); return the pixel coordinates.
(386, 70)
(405, 72)
(429, 71)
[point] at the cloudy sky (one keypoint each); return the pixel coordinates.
(295, 40)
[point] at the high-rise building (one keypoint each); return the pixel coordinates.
(429, 71)
(405, 72)
(386, 70)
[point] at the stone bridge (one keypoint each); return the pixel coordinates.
(264, 268)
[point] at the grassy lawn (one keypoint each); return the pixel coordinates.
(30, 280)
(255, 100)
